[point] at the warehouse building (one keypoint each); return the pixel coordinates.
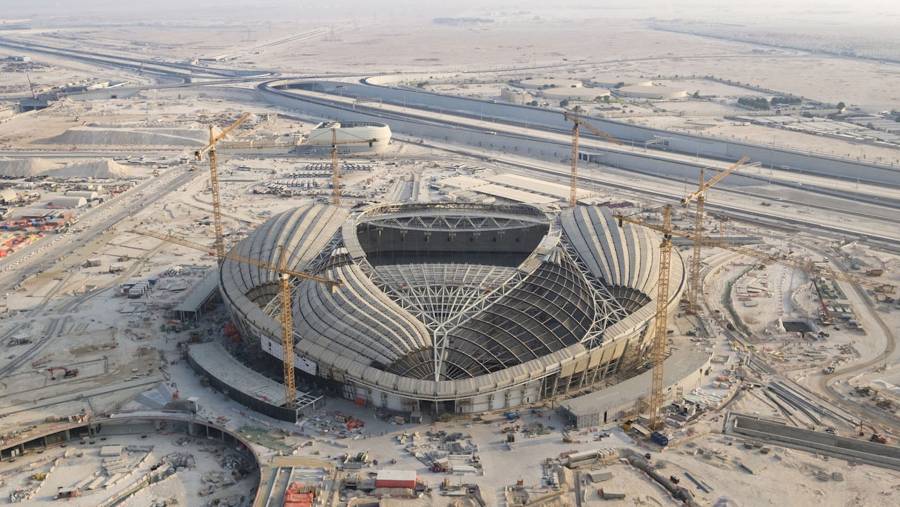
(67, 203)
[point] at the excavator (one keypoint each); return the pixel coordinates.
(67, 372)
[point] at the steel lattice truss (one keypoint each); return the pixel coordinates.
(447, 223)
(485, 318)
(608, 309)
(448, 217)
(436, 293)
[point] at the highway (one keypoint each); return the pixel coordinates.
(872, 193)
(864, 224)
(170, 69)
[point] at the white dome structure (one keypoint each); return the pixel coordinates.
(351, 137)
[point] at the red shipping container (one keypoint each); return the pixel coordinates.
(396, 479)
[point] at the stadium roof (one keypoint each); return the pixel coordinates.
(451, 297)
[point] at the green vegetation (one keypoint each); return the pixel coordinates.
(791, 100)
(759, 103)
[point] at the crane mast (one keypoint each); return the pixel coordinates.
(216, 199)
(335, 170)
(210, 151)
(658, 350)
(335, 166)
(695, 285)
(573, 184)
(577, 123)
(287, 331)
(284, 279)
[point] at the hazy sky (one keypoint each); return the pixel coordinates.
(839, 11)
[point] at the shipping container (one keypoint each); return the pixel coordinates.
(396, 479)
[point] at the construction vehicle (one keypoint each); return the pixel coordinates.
(67, 372)
(285, 275)
(659, 439)
(577, 123)
(210, 151)
(695, 288)
(335, 166)
(878, 438)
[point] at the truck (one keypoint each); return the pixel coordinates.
(659, 439)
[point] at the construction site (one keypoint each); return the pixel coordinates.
(258, 267)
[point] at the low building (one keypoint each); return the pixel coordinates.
(515, 96)
(67, 203)
(33, 104)
(683, 371)
(651, 92)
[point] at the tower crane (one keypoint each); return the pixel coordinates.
(31, 86)
(577, 123)
(658, 348)
(658, 345)
(284, 278)
(695, 288)
(335, 168)
(805, 266)
(210, 150)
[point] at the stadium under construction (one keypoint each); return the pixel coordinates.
(454, 307)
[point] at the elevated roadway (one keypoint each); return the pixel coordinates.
(530, 148)
(170, 69)
(848, 169)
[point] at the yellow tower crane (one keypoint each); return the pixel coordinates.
(658, 346)
(658, 350)
(577, 123)
(284, 277)
(335, 167)
(210, 150)
(694, 288)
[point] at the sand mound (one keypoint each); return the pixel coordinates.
(98, 136)
(25, 167)
(98, 169)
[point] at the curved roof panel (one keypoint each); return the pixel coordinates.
(453, 317)
(626, 256)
